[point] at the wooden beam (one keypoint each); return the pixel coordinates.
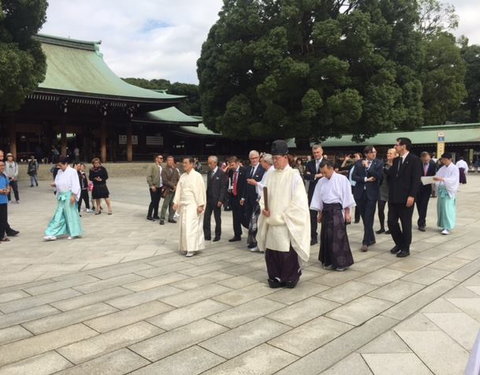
(12, 135)
(129, 142)
(103, 140)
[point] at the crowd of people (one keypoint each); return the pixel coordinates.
(277, 200)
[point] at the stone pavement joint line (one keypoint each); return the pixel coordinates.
(122, 300)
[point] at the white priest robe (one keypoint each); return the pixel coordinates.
(447, 193)
(189, 195)
(289, 221)
(336, 189)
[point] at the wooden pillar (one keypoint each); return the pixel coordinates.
(12, 135)
(129, 142)
(63, 137)
(103, 140)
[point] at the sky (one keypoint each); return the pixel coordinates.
(163, 38)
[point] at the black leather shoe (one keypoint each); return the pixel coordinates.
(156, 217)
(290, 284)
(172, 221)
(150, 218)
(403, 254)
(208, 238)
(313, 242)
(162, 222)
(395, 250)
(421, 229)
(12, 233)
(275, 284)
(235, 239)
(380, 231)
(387, 232)
(216, 239)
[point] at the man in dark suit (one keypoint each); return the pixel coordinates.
(217, 183)
(313, 174)
(404, 182)
(254, 174)
(236, 185)
(367, 174)
(429, 168)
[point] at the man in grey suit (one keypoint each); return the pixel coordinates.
(217, 183)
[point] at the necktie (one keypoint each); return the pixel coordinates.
(235, 178)
(252, 172)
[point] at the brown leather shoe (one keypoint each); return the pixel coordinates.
(364, 248)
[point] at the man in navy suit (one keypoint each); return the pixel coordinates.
(313, 174)
(217, 183)
(368, 174)
(403, 183)
(429, 168)
(236, 185)
(254, 174)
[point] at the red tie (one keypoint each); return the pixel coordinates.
(235, 178)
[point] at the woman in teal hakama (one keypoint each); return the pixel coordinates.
(447, 181)
(66, 219)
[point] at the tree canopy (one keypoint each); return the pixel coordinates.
(22, 62)
(320, 68)
(191, 104)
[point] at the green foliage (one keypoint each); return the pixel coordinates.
(312, 68)
(191, 105)
(22, 62)
(443, 78)
(471, 56)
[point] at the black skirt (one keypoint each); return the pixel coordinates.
(100, 191)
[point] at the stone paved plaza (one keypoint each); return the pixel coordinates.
(122, 300)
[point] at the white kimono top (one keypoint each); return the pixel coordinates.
(336, 189)
(68, 180)
(451, 174)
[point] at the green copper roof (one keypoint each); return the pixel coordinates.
(458, 133)
(201, 130)
(77, 67)
(169, 115)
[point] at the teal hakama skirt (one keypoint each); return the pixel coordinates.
(66, 219)
(446, 209)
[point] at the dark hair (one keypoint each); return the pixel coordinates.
(158, 156)
(446, 155)
(190, 159)
(170, 157)
(63, 160)
(368, 149)
(405, 142)
(233, 159)
(326, 163)
(424, 153)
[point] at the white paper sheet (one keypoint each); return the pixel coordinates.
(426, 180)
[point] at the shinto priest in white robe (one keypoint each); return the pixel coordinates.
(189, 195)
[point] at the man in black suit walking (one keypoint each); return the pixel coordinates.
(254, 174)
(404, 182)
(236, 185)
(313, 174)
(429, 168)
(367, 174)
(216, 194)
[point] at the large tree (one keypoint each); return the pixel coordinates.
(471, 56)
(312, 68)
(191, 104)
(22, 62)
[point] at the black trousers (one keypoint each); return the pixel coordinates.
(3, 220)
(14, 186)
(217, 213)
(155, 197)
(238, 214)
(282, 266)
(367, 212)
(313, 225)
(402, 237)
(423, 197)
(83, 197)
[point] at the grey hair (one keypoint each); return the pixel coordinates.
(214, 158)
(317, 146)
(253, 153)
(267, 158)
